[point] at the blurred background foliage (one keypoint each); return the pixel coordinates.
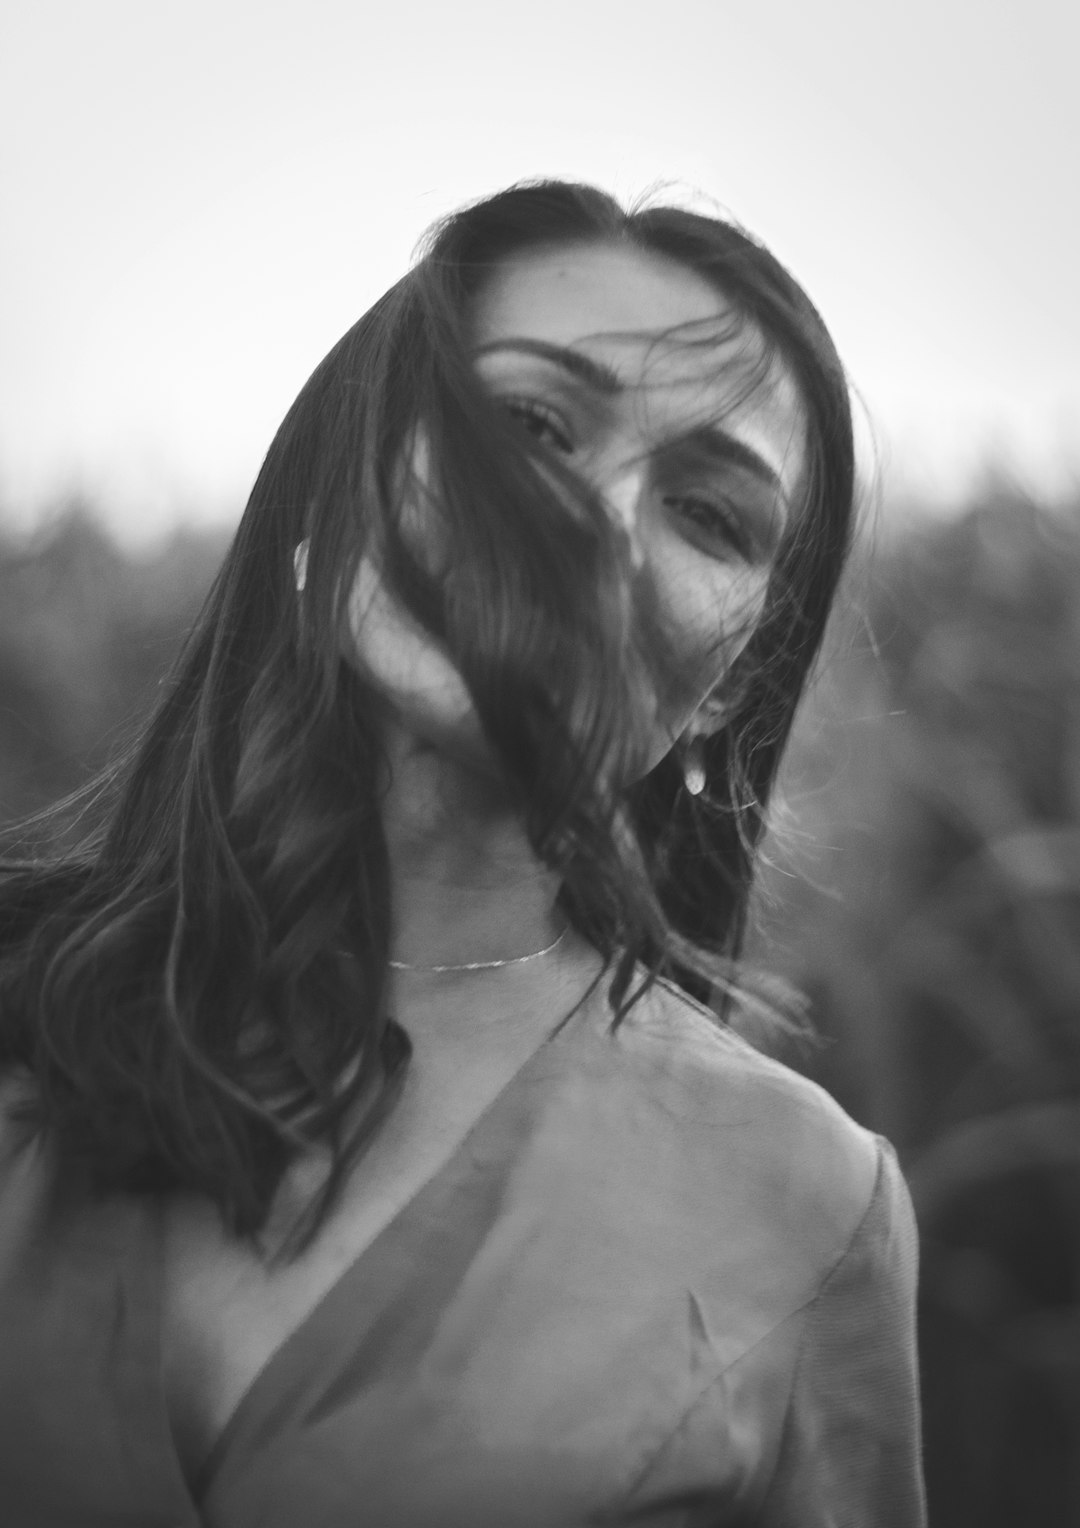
(922, 887)
(924, 891)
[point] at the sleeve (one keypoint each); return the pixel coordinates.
(850, 1450)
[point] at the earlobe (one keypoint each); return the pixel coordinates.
(300, 557)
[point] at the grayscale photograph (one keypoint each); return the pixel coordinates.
(539, 765)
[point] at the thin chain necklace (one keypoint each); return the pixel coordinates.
(484, 965)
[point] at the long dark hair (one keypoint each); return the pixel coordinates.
(198, 989)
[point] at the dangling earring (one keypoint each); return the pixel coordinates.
(300, 556)
(693, 764)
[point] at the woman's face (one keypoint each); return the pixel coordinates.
(642, 379)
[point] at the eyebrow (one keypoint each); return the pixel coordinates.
(717, 444)
(603, 379)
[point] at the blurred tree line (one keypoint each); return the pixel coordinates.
(922, 887)
(924, 891)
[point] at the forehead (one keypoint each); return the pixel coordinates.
(681, 348)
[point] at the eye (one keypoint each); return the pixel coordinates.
(714, 520)
(543, 423)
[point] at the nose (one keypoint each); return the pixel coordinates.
(624, 491)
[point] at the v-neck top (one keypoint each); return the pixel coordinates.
(663, 1280)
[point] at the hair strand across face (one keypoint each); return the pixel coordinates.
(175, 986)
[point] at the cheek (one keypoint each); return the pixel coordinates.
(710, 610)
(406, 664)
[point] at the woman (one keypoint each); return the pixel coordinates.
(370, 1159)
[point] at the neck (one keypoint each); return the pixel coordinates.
(465, 883)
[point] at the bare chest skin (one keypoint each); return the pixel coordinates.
(225, 1313)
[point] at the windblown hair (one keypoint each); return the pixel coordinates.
(198, 991)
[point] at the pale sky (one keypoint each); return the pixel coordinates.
(199, 198)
